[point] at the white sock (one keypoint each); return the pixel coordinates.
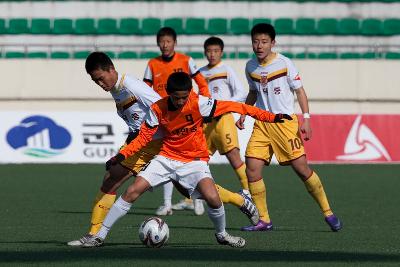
(168, 187)
(217, 216)
(119, 208)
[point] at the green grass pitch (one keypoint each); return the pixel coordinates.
(44, 206)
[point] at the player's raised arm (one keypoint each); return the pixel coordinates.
(199, 79)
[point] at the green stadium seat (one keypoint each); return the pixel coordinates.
(195, 26)
(327, 26)
(349, 26)
(128, 55)
(306, 26)
(260, 20)
(370, 55)
(85, 26)
(59, 55)
(63, 26)
(327, 55)
(305, 55)
(287, 54)
(110, 54)
(217, 26)
(36, 55)
(175, 23)
(107, 26)
(240, 55)
(3, 29)
(391, 26)
(371, 27)
(149, 54)
(18, 26)
(284, 26)
(81, 54)
(40, 26)
(392, 55)
(239, 26)
(14, 54)
(150, 26)
(349, 55)
(195, 54)
(129, 26)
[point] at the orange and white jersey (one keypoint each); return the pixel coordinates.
(158, 71)
(184, 139)
(275, 82)
(133, 99)
(223, 83)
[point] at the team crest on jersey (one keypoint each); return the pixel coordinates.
(215, 89)
(277, 90)
(264, 81)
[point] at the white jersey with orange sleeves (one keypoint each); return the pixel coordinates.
(133, 99)
(275, 82)
(223, 83)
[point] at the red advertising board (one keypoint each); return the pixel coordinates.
(354, 138)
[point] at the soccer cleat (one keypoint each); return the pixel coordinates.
(163, 211)
(334, 222)
(183, 205)
(260, 226)
(198, 207)
(93, 242)
(249, 209)
(79, 242)
(233, 241)
(245, 192)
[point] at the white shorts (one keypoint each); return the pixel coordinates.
(161, 170)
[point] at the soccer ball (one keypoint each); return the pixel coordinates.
(154, 232)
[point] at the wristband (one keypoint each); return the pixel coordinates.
(306, 115)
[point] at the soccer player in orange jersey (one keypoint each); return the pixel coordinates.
(183, 157)
(156, 74)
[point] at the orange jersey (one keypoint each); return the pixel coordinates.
(158, 71)
(183, 128)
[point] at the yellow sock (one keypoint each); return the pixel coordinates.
(227, 196)
(316, 190)
(101, 206)
(259, 195)
(241, 173)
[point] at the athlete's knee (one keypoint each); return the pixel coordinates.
(213, 201)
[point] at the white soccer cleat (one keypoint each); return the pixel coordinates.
(184, 204)
(163, 211)
(93, 242)
(198, 207)
(246, 193)
(233, 241)
(249, 209)
(79, 242)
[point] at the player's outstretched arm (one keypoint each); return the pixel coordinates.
(202, 84)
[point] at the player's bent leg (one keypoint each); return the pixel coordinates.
(239, 166)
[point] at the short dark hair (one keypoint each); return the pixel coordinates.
(179, 81)
(263, 28)
(166, 31)
(214, 41)
(98, 60)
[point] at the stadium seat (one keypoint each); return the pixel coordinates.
(14, 54)
(129, 26)
(59, 55)
(36, 55)
(18, 26)
(107, 26)
(349, 55)
(85, 26)
(305, 55)
(81, 54)
(349, 26)
(217, 26)
(371, 27)
(175, 23)
(327, 26)
(391, 26)
(149, 54)
(63, 26)
(3, 29)
(287, 54)
(127, 55)
(392, 55)
(40, 26)
(195, 54)
(110, 54)
(327, 55)
(284, 26)
(260, 20)
(240, 55)
(305, 26)
(195, 26)
(370, 55)
(239, 26)
(150, 26)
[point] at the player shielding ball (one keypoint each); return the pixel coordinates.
(183, 156)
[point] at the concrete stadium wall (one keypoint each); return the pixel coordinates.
(332, 86)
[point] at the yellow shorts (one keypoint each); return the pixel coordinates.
(281, 139)
(136, 162)
(221, 134)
